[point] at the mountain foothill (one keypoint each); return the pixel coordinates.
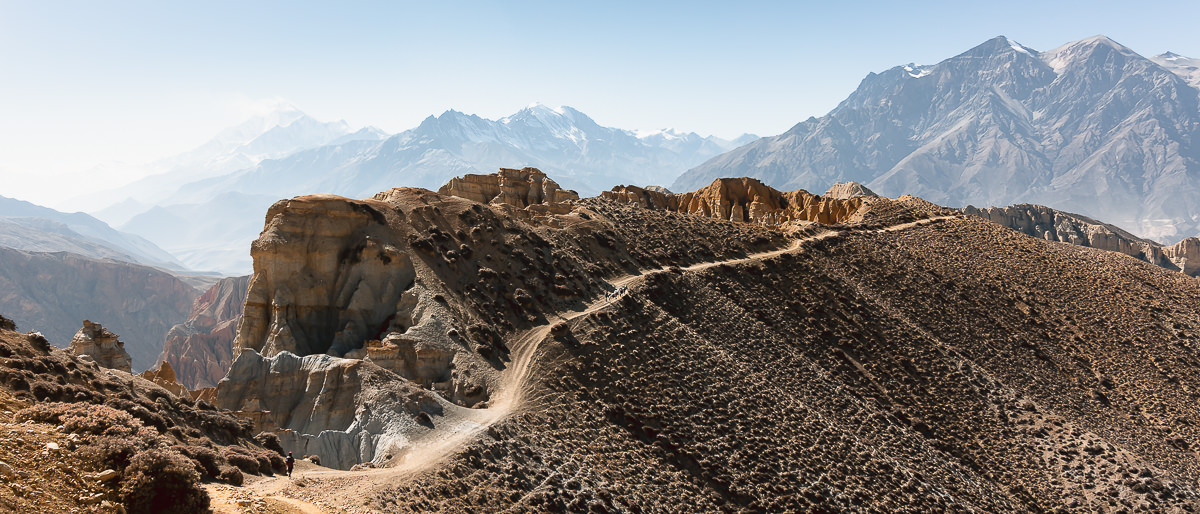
(426, 333)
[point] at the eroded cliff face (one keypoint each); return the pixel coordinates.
(328, 276)
(100, 345)
(1053, 225)
(200, 350)
(747, 200)
(518, 188)
(423, 289)
(346, 411)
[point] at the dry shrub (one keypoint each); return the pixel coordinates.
(112, 452)
(270, 441)
(83, 418)
(240, 457)
(162, 481)
(232, 476)
(206, 458)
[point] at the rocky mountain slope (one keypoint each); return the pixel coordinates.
(1089, 127)
(56, 292)
(1052, 225)
(200, 349)
(79, 437)
(599, 354)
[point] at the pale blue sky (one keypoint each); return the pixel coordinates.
(86, 82)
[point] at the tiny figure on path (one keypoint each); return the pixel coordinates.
(291, 461)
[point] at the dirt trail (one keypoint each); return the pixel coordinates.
(346, 488)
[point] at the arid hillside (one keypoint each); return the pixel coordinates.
(627, 357)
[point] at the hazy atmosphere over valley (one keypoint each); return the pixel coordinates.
(536, 256)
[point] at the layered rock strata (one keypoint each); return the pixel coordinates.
(519, 188)
(746, 200)
(165, 377)
(101, 346)
(200, 349)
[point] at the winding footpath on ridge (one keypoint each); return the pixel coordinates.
(344, 491)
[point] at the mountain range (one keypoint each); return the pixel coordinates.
(210, 221)
(1089, 127)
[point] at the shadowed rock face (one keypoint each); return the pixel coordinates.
(101, 345)
(200, 349)
(328, 276)
(744, 200)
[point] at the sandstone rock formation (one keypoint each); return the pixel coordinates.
(1185, 255)
(1054, 225)
(851, 189)
(420, 289)
(200, 349)
(101, 346)
(744, 200)
(165, 377)
(52, 292)
(519, 188)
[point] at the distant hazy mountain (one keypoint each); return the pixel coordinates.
(1185, 67)
(563, 142)
(25, 226)
(1089, 127)
(279, 133)
(210, 223)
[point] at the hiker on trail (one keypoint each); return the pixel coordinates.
(291, 461)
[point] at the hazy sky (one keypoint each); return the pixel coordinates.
(87, 82)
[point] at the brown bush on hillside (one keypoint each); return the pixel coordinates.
(162, 481)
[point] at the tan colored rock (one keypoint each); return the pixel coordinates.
(1186, 255)
(164, 376)
(328, 276)
(744, 200)
(101, 345)
(518, 188)
(845, 190)
(1054, 225)
(200, 349)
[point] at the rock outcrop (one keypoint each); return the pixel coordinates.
(1053, 225)
(345, 410)
(412, 293)
(52, 292)
(745, 200)
(518, 188)
(1185, 255)
(851, 189)
(100, 345)
(200, 349)
(165, 377)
